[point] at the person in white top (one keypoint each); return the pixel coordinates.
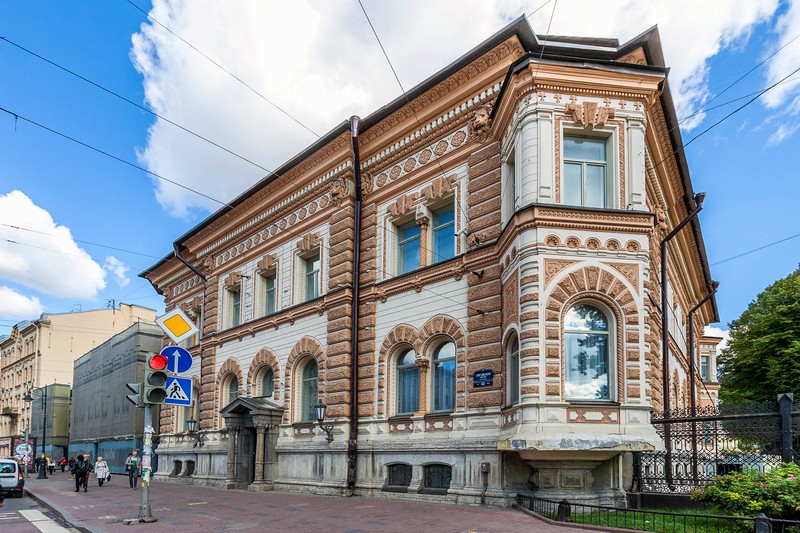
(101, 471)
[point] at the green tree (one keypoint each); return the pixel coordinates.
(763, 356)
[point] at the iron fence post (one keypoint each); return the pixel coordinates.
(762, 524)
(785, 401)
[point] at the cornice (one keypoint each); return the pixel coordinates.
(510, 48)
(445, 123)
(338, 147)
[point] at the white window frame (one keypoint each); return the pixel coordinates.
(230, 305)
(510, 185)
(608, 134)
(261, 290)
(610, 351)
(513, 381)
(299, 270)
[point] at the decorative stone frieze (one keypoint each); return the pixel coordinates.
(589, 114)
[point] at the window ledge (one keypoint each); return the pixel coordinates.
(438, 492)
(395, 488)
(593, 403)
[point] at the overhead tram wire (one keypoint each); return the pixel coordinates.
(229, 73)
(80, 241)
(17, 116)
(131, 102)
(223, 204)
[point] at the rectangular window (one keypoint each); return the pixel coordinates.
(268, 292)
(585, 172)
(234, 297)
(704, 367)
(509, 188)
(312, 276)
(408, 247)
(444, 238)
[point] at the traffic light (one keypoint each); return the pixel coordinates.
(136, 397)
(155, 379)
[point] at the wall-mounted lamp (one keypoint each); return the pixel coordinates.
(191, 427)
(319, 413)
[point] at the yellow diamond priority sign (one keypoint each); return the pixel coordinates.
(177, 325)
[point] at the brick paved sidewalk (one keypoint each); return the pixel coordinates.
(185, 508)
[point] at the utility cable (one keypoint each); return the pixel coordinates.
(107, 154)
(755, 250)
(229, 73)
(78, 240)
(131, 102)
(408, 101)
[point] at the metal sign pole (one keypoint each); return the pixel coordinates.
(145, 514)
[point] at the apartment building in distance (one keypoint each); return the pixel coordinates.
(42, 352)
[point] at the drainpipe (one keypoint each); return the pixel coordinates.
(352, 445)
(698, 201)
(175, 250)
(692, 384)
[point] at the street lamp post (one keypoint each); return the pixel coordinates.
(43, 396)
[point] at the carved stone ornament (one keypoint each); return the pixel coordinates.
(480, 126)
(402, 206)
(208, 264)
(661, 221)
(233, 279)
(339, 190)
(308, 242)
(267, 262)
(589, 114)
(366, 185)
(437, 189)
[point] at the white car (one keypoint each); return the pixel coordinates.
(11, 480)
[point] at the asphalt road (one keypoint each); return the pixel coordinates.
(25, 515)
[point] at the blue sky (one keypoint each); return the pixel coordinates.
(320, 63)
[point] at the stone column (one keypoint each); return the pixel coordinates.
(424, 223)
(260, 431)
(231, 474)
(423, 365)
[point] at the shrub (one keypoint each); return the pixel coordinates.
(775, 493)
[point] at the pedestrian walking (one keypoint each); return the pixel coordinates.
(133, 466)
(37, 463)
(62, 463)
(51, 465)
(101, 471)
(71, 463)
(80, 471)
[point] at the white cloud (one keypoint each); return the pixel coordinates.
(783, 132)
(118, 268)
(787, 60)
(15, 306)
(43, 256)
(713, 331)
(320, 62)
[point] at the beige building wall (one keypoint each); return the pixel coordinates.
(41, 352)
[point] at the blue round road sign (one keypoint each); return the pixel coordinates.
(180, 360)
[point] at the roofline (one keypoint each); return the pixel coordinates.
(547, 47)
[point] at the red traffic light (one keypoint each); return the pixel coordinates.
(158, 362)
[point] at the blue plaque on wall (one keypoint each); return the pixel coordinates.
(483, 378)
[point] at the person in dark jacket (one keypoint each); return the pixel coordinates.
(80, 470)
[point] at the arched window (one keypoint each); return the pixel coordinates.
(586, 347)
(267, 382)
(444, 377)
(407, 383)
(512, 353)
(233, 389)
(308, 394)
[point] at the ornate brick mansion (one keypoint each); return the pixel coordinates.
(468, 279)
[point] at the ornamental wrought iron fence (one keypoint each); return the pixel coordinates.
(717, 440)
(651, 520)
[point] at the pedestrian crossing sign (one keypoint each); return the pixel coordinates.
(179, 391)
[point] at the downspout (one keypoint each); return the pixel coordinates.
(692, 384)
(176, 251)
(352, 445)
